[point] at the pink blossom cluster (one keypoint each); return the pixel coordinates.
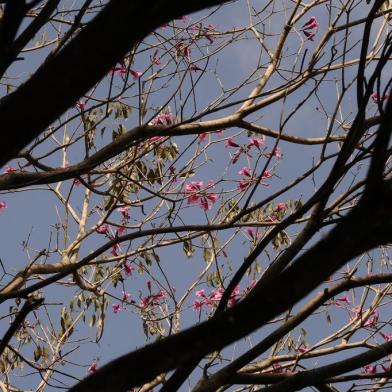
(199, 195)
(372, 369)
(310, 28)
(254, 236)
(152, 299)
(92, 368)
(342, 300)
(370, 322)
(203, 31)
(203, 136)
(249, 178)
(3, 205)
(213, 298)
(80, 105)
(253, 142)
(9, 169)
(162, 119)
(120, 230)
(377, 99)
(118, 307)
(123, 71)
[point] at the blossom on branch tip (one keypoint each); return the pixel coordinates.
(92, 368)
(345, 299)
(124, 212)
(126, 296)
(128, 269)
(9, 169)
(116, 248)
(372, 320)
(116, 308)
(251, 233)
(136, 74)
(310, 28)
(80, 104)
(193, 67)
(369, 369)
(377, 99)
(230, 143)
(161, 119)
(203, 136)
(120, 71)
(103, 229)
(256, 142)
(198, 194)
(276, 152)
(280, 207)
(387, 337)
(245, 171)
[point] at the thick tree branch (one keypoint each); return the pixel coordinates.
(58, 83)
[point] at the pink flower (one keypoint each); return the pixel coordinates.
(256, 142)
(128, 269)
(387, 337)
(303, 349)
(276, 152)
(280, 207)
(103, 229)
(245, 171)
(309, 35)
(92, 368)
(9, 169)
(250, 232)
(369, 369)
(203, 136)
(80, 104)
(155, 59)
(194, 67)
(135, 74)
(124, 212)
(372, 320)
(377, 99)
(310, 28)
(3, 205)
(311, 24)
(161, 119)
(199, 194)
(200, 293)
(126, 296)
(121, 230)
(183, 18)
(243, 184)
(116, 308)
(230, 143)
(197, 305)
(208, 36)
(345, 299)
(116, 248)
(357, 312)
(216, 295)
(120, 71)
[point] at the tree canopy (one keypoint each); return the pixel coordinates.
(215, 173)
